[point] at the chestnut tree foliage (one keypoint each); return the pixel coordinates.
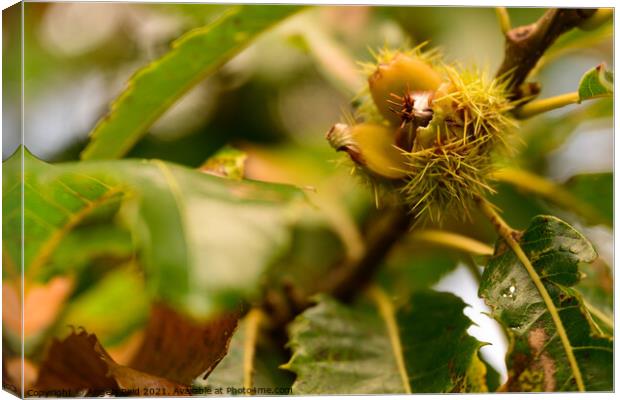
(224, 281)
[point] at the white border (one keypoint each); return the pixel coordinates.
(476, 3)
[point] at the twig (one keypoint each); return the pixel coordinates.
(508, 234)
(504, 19)
(526, 44)
(346, 279)
(350, 278)
(452, 240)
(253, 321)
(543, 105)
(599, 314)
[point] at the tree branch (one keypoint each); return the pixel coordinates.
(351, 278)
(526, 44)
(346, 279)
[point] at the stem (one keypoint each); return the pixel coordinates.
(453, 240)
(508, 234)
(544, 105)
(504, 19)
(526, 44)
(599, 314)
(601, 16)
(351, 277)
(386, 310)
(253, 321)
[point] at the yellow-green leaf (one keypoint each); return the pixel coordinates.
(156, 87)
(597, 82)
(537, 359)
(195, 234)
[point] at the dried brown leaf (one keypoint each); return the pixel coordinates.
(181, 349)
(79, 366)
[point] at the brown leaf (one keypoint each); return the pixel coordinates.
(79, 366)
(175, 350)
(181, 349)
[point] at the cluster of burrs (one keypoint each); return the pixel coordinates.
(427, 131)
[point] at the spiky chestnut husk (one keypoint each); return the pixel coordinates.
(448, 155)
(452, 158)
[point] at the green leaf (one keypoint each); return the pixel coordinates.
(596, 287)
(228, 162)
(597, 82)
(493, 378)
(90, 245)
(301, 267)
(54, 206)
(410, 268)
(266, 371)
(216, 237)
(193, 57)
(112, 309)
(12, 211)
(339, 349)
(589, 196)
(595, 190)
(196, 234)
(537, 360)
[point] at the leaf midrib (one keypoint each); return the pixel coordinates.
(177, 195)
(507, 233)
(53, 240)
(387, 313)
